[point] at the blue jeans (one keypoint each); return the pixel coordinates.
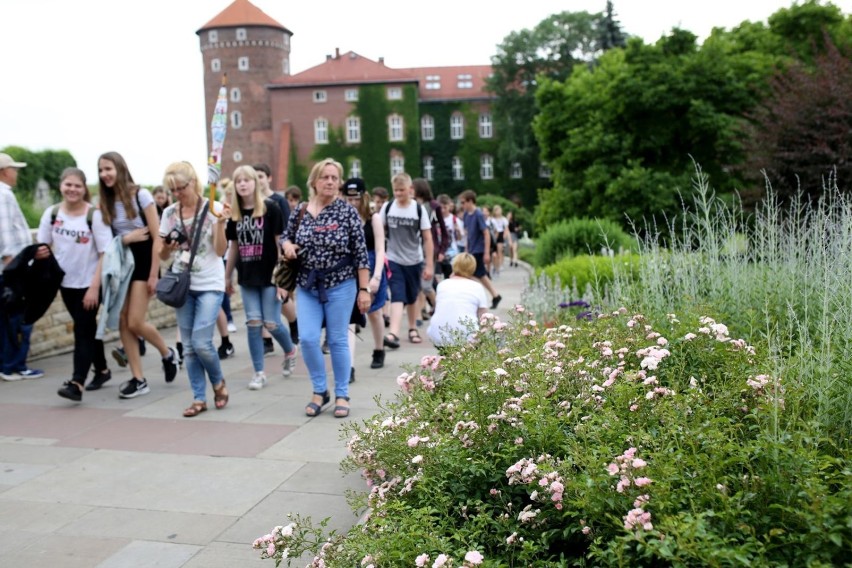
(261, 304)
(336, 312)
(197, 321)
(16, 344)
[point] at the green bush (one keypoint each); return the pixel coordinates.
(620, 441)
(581, 272)
(580, 236)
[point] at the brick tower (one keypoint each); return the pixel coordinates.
(253, 49)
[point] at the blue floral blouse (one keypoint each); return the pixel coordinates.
(329, 240)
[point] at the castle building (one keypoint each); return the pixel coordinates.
(431, 122)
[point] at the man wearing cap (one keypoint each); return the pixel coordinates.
(14, 237)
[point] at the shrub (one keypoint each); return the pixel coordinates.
(587, 276)
(621, 441)
(580, 236)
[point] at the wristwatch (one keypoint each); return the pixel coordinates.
(367, 290)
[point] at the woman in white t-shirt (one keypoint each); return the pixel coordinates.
(500, 229)
(197, 317)
(459, 303)
(78, 236)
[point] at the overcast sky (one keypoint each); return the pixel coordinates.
(90, 76)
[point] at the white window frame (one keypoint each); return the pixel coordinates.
(396, 128)
(321, 130)
(237, 156)
(236, 95)
(320, 96)
(215, 65)
(353, 130)
(544, 171)
(465, 81)
(486, 125)
(394, 93)
(458, 169)
(429, 168)
(355, 168)
(242, 35)
(486, 166)
(213, 36)
(243, 63)
(350, 95)
(516, 172)
(433, 82)
(427, 127)
(236, 119)
(457, 126)
(397, 164)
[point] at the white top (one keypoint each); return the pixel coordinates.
(208, 270)
(455, 228)
(456, 304)
(74, 245)
(499, 224)
(121, 224)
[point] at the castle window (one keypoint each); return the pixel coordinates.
(465, 81)
(286, 40)
(353, 129)
(355, 168)
(457, 126)
(243, 63)
(395, 128)
(320, 96)
(486, 125)
(241, 34)
(428, 168)
(486, 167)
(238, 156)
(427, 127)
(213, 36)
(285, 67)
(215, 65)
(397, 165)
(433, 82)
(394, 94)
(235, 95)
(544, 171)
(458, 169)
(351, 95)
(236, 119)
(515, 172)
(321, 131)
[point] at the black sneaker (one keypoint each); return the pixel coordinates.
(170, 367)
(120, 356)
(378, 359)
(179, 347)
(98, 380)
(325, 348)
(226, 350)
(386, 320)
(142, 347)
(71, 391)
(351, 374)
(133, 388)
(496, 301)
(294, 332)
(267, 346)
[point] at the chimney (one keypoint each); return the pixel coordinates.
(327, 57)
(337, 53)
(381, 60)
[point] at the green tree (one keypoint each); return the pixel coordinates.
(46, 165)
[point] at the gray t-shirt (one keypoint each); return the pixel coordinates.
(404, 232)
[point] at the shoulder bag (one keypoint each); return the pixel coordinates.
(286, 271)
(173, 287)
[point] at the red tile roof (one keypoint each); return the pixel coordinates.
(241, 13)
(452, 83)
(348, 68)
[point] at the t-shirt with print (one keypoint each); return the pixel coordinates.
(121, 224)
(257, 243)
(404, 232)
(474, 224)
(208, 272)
(75, 246)
(456, 234)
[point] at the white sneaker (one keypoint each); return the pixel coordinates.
(258, 381)
(289, 364)
(232, 328)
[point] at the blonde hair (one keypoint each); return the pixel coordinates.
(181, 173)
(401, 180)
(317, 170)
(247, 172)
(464, 264)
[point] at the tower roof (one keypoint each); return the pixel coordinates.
(242, 13)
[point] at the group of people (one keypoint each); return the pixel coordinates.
(372, 258)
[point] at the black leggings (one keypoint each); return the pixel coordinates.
(87, 349)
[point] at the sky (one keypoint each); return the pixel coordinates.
(91, 76)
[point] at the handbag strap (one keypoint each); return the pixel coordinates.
(199, 223)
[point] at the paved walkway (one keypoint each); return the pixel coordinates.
(114, 483)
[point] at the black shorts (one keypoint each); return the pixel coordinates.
(142, 252)
(404, 282)
(480, 265)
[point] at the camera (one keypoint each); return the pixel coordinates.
(175, 236)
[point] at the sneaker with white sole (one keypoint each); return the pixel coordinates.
(232, 328)
(170, 366)
(258, 381)
(289, 364)
(133, 388)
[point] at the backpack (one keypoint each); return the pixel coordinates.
(54, 211)
(386, 207)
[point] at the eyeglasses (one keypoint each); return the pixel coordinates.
(181, 188)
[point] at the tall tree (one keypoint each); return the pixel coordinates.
(611, 34)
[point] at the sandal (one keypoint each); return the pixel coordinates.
(414, 336)
(392, 341)
(313, 409)
(196, 408)
(341, 411)
(220, 395)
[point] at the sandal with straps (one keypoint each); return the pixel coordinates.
(414, 336)
(341, 411)
(220, 395)
(314, 409)
(196, 408)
